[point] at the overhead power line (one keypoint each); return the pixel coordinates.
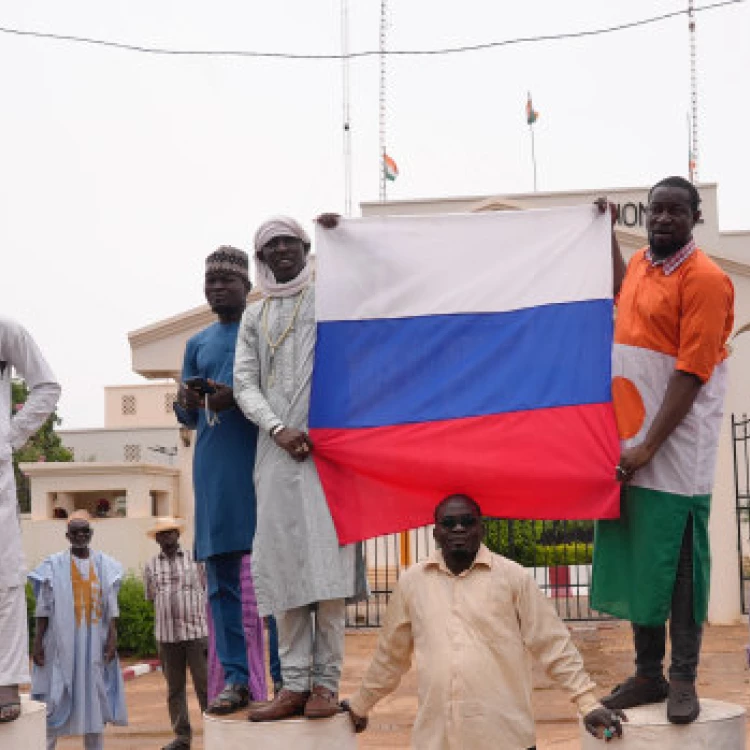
(366, 53)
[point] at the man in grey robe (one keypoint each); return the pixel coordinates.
(299, 569)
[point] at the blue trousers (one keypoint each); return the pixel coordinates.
(274, 663)
(90, 742)
(224, 598)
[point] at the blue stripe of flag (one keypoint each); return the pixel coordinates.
(373, 373)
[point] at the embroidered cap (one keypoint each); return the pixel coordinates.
(227, 259)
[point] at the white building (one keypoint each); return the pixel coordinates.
(132, 466)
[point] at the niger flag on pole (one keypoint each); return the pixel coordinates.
(531, 114)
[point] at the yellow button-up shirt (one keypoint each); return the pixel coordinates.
(474, 636)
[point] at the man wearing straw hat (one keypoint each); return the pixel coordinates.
(176, 584)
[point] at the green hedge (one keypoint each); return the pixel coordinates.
(564, 532)
(522, 541)
(574, 553)
(516, 540)
(135, 628)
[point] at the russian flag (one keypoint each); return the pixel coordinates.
(464, 353)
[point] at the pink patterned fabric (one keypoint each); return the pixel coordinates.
(673, 262)
(253, 626)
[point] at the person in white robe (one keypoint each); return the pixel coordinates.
(301, 573)
(76, 669)
(20, 355)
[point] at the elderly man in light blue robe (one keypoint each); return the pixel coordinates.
(76, 670)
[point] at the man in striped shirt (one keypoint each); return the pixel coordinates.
(177, 586)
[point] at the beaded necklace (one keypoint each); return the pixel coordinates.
(274, 345)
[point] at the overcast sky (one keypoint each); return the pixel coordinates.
(120, 172)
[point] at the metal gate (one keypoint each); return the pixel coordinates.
(557, 552)
(741, 445)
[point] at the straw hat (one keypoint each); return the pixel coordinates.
(80, 515)
(165, 523)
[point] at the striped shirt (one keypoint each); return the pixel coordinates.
(673, 262)
(177, 587)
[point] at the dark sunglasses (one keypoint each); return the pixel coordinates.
(80, 532)
(467, 522)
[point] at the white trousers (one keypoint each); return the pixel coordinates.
(14, 636)
(312, 653)
(90, 742)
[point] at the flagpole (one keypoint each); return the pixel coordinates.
(533, 153)
(690, 148)
(693, 94)
(382, 99)
(347, 144)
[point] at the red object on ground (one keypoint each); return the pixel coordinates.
(559, 581)
(136, 670)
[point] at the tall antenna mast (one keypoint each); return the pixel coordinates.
(346, 108)
(382, 98)
(693, 95)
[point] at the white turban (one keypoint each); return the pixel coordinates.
(280, 226)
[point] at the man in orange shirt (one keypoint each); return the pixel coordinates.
(674, 315)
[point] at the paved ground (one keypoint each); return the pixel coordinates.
(605, 646)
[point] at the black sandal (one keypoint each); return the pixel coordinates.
(5, 716)
(232, 698)
(10, 704)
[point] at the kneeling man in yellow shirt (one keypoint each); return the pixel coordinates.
(474, 620)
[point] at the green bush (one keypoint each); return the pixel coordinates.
(44, 445)
(516, 540)
(135, 628)
(563, 532)
(527, 542)
(564, 554)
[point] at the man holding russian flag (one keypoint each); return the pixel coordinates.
(302, 574)
(674, 316)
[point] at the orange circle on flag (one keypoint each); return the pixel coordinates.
(630, 412)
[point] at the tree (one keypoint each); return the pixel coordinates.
(45, 445)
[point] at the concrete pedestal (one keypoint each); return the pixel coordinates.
(292, 734)
(720, 726)
(29, 730)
